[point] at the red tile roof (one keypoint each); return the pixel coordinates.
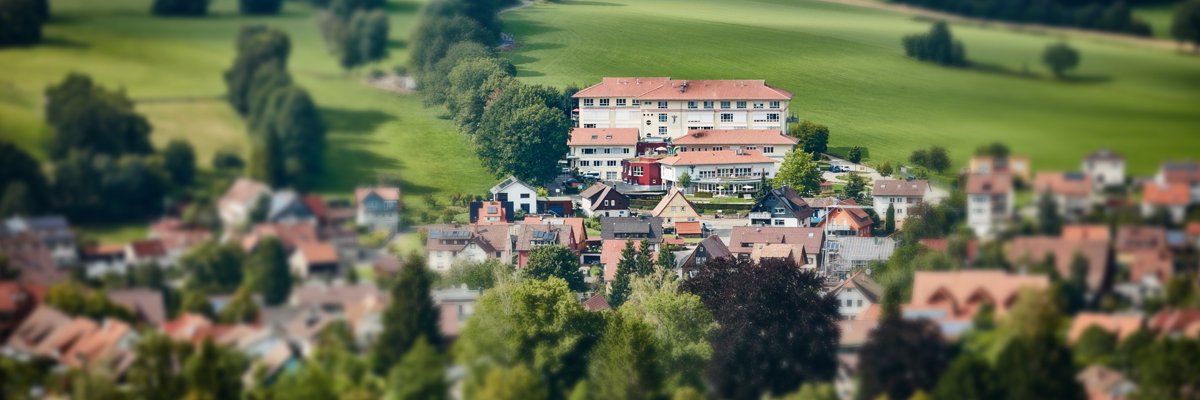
(1085, 232)
(1071, 184)
(319, 253)
(1121, 325)
(597, 303)
(386, 193)
(1156, 263)
(603, 137)
(661, 88)
(997, 183)
(734, 137)
(960, 293)
(1173, 194)
(148, 248)
(610, 255)
(1028, 251)
(716, 158)
(622, 87)
(688, 228)
(1183, 322)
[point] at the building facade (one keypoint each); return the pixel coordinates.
(598, 152)
(900, 195)
(725, 172)
(989, 203)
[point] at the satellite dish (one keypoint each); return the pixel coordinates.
(867, 271)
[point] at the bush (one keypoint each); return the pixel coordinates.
(937, 46)
(180, 7)
(260, 6)
(21, 21)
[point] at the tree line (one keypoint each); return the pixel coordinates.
(21, 21)
(194, 8)
(285, 126)
(1104, 15)
(516, 128)
(356, 31)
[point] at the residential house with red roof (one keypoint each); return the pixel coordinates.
(1181, 173)
(899, 195)
(805, 243)
(674, 208)
(450, 244)
(16, 302)
(148, 251)
(1072, 192)
(723, 172)
(315, 258)
(239, 200)
(491, 212)
(952, 298)
(1029, 251)
(856, 294)
(378, 207)
(531, 236)
(663, 108)
(989, 203)
(770, 143)
(178, 237)
(597, 152)
(1120, 325)
(1172, 198)
(1176, 322)
(781, 207)
(848, 219)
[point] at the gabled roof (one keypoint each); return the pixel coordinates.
(1172, 194)
(899, 188)
(148, 248)
(611, 227)
(36, 327)
(147, 304)
(863, 282)
(1159, 264)
(622, 87)
(995, 183)
(509, 182)
(744, 237)
(548, 234)
(318, 252)
(1032, 250)
(1134, 238)
(243, 191)
(662, 88)
(598, 192)
(688, 228)
(960, 287)
(1071, 184)
(1184, 322)
(1121, 325)
(610, 255)
(715, 247)
(596, 303)
(790, 200)
(1085, 232)
(577, 226)
(284, 201)
(290, 234)
(384, 193)
(668, 198)
(696, 137)
(721, 157)
(490, 238)
(603, 137)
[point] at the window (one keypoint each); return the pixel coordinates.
(588, 102)
(727, 117)
(621, 102)
(773, 117)
(589, 125)
(768, 149)
(637, 102)
(524, 195)
(584, 163)
(625, 150)
(637, 171)
(775, 104)
(662, 130)
(662, 117)
(717, 148)
(612, 176)
(741, 104)
(725, 104)
(708, 104)
(779, 222)
(589, 150)
(603, 102)
(758, 106)
(662, 104)
(612, 163)
(691, 104)
(860, 303)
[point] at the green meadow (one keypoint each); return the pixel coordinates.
(172, 68)
(847, 70)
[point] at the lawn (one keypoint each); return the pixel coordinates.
(172, 68)
(847, 70)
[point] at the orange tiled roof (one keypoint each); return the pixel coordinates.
(734, 137)
(1121, 325)
(1172, 194)
(995, 183)
(603, 137)
(662, 88)
(1071, 184)
(960, 293)
(716, 158)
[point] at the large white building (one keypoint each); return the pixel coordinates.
(770, 143)
(989, 203)
(664, 108)
(722, 172)
(599, 151)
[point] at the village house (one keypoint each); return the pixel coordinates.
(724, 172)
(455, 306)
(1103, 383)
(663, 108)
(848, 219)
(73, 342)
(1172, 198)
(490, 212)
(315, 258)
(521, 194)
(710, 248)
(1014, 165)
(53, 231)
(675, 207)
(16, 302)
(1027, 252)
(146, 304)
(1105, 168)
(689, 229)
(642, 171)
(450, 244)
(239, 200)
(770, 143)
(989, 203)
(899, 195)
(290, 235)
(1072, 192)
(287, 206)
(377, 208)
(1148, 271)
(952, 298)
(577, 227)
(531, 236)
(1135, 239)
(597, 152)
(1119, 325)
(632, 228)
(102, 259)
(1181, 173)
(856, 294)
(148, 251)
(781, 207)
(178, 237)
(28, 254)
(600, 200)
(806, 243)
(1176, 323)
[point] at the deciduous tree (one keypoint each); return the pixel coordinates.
(1185, 25)
(1060, 57)
(419, 375)
(901, 356)
(180, 161)
(20, 22)
(800, 172)
(557, 261)
(410, 315)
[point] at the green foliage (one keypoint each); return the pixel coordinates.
(179, 159)
(535, 324)
(20, 22)
(180, 7)
(227, 160)
(272, 275)
(471, 84)
(214, 372)
(1095, 346)
(357, 38)
(937, 47)
(25, 188)
(196, 302)
(1185, 26)
(626, 269)
(419, 375)
(776, 328)
(73, 298)
(969, 377)
(685, 181)
(813, 137)
(555, 261)
(257, 46)
(855, 155)
(260, 7)
(1036, 362)
(1049, 220)
(92, 119)
(292, 132)
(901, 357)
(154, 374)
(679, 321)
(1060, 57)
(214, 268)
(310, 381)
(410, 315)
(511, 383)
(813, 391)
(889, 221)
(856, 187)
(1086, 14)
(1168, 369)
(800, 172)
(523, 133)
(625, 363)
(477, 276)
(240, 308)
(886, 169)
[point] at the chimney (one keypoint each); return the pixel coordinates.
(683, 87)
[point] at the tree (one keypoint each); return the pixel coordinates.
(472, 83)
(273, 275)
(856, 186)
(515, 383)
(969, 378)
(93, 119)
(195, 302)
(522, 135)
(1167, 369)
(180, 7)
(227, 160)
(309, 380)
(260, 7)
(813, 137)
(365, 39)
(800, 172)
(558, 261)
(1049, 220)
(885, 169)
(901, 356)
(240, 309)
(535, 324)
(665, 259)
(214, 268)
(410, 314)
(257, 46)
(889, 222)
(1185, 26)
(919, 157)
(419, 375)
(155, 374)
(625, 364)
(685, 181)
(214, 372)
(855, 155)
(180, 162)
(291, 121)
(1095, 346)
(1036, 363)
(776, 327)
(939, 159)
(997, 150)
(478, 276)
(25, 187)
(20, 22)
(937, 46)
(1060, 57)
(680, 322)
(626, 269)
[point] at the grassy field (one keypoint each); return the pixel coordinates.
(173, 68)
(1158, 16)
(847, 70)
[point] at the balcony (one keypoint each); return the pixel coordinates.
(760, 215)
